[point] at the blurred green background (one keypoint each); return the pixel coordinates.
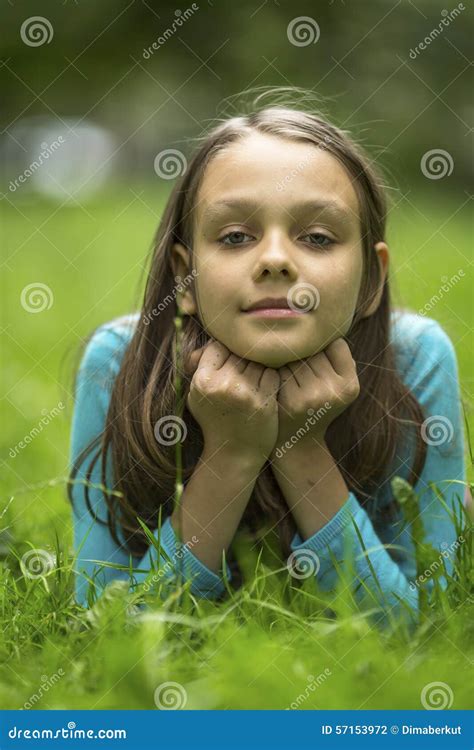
(82, 223)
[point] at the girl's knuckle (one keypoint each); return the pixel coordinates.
(351, 389)
(202, 381)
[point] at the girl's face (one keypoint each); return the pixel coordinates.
(280, 219)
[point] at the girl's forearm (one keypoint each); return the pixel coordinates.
(213, 502)
(311, 483)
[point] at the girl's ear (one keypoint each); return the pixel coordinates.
(180, 262)
(383, 256)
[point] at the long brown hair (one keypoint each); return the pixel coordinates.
(363, 439)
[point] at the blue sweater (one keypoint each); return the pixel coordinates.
(426, 361)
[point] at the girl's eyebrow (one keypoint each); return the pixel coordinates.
(333, 208)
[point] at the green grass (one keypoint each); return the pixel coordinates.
(257, 648)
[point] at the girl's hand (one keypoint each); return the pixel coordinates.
(314, 391)
(234, 401)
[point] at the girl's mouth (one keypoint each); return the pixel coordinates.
(274, 312)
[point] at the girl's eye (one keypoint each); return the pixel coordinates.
(234, 238)
(318, 239)
(238, 238)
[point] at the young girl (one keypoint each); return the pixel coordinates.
(304, 393)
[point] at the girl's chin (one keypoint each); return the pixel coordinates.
(282, 356)
(275, 356)
(275, 360)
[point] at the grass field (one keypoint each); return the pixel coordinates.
(268, 646)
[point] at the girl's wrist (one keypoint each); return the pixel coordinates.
(247, 459)
(310, 444)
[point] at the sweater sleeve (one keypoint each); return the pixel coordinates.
(93, 541)
(431, 373)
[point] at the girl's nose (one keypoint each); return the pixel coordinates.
(275, 258)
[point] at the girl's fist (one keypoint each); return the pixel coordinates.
(234, 401)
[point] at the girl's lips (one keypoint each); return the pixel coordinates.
(274, 312)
